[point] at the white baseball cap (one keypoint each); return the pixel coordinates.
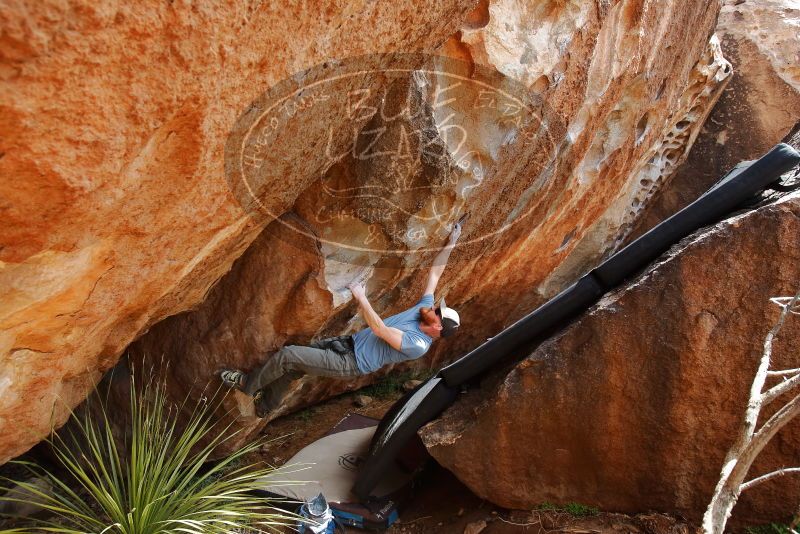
(450, 319)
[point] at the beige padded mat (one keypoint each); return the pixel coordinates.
(329, 465)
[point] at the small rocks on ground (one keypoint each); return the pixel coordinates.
(408, 385)
(362, 400)
(475, 527)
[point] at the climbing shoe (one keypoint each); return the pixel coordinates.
(233, 378)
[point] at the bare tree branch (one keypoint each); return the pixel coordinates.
(763, 478)
(787, 302)
(784, 372)
(778, 390)
(779, 419)
(749, 443)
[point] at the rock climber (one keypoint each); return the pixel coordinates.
(404, 336)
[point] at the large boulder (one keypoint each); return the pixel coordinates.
(115, 130)
(625, 90)
(116, 212)
(634, 405)
(755, 110)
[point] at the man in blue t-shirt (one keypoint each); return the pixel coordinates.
(404, 336)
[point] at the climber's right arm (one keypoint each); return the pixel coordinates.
(391, 335)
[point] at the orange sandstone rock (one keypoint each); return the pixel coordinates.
(624, 99)
(114, 204)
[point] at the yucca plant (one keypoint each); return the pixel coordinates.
(158, 479)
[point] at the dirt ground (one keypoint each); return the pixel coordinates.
(442, 504)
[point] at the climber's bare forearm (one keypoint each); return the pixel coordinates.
(392, 336)
(437, 269)
(371, 317)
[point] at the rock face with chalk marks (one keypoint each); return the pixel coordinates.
(120, 222)
(116, 212)
(534, 223)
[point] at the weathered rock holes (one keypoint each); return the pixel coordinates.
(671, 156)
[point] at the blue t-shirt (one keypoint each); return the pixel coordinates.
(372, 352)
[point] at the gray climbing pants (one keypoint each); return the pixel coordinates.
(333, 357)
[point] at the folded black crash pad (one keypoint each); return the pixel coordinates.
(397, 428)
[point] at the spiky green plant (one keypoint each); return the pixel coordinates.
(771, 528)
(159, 481)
